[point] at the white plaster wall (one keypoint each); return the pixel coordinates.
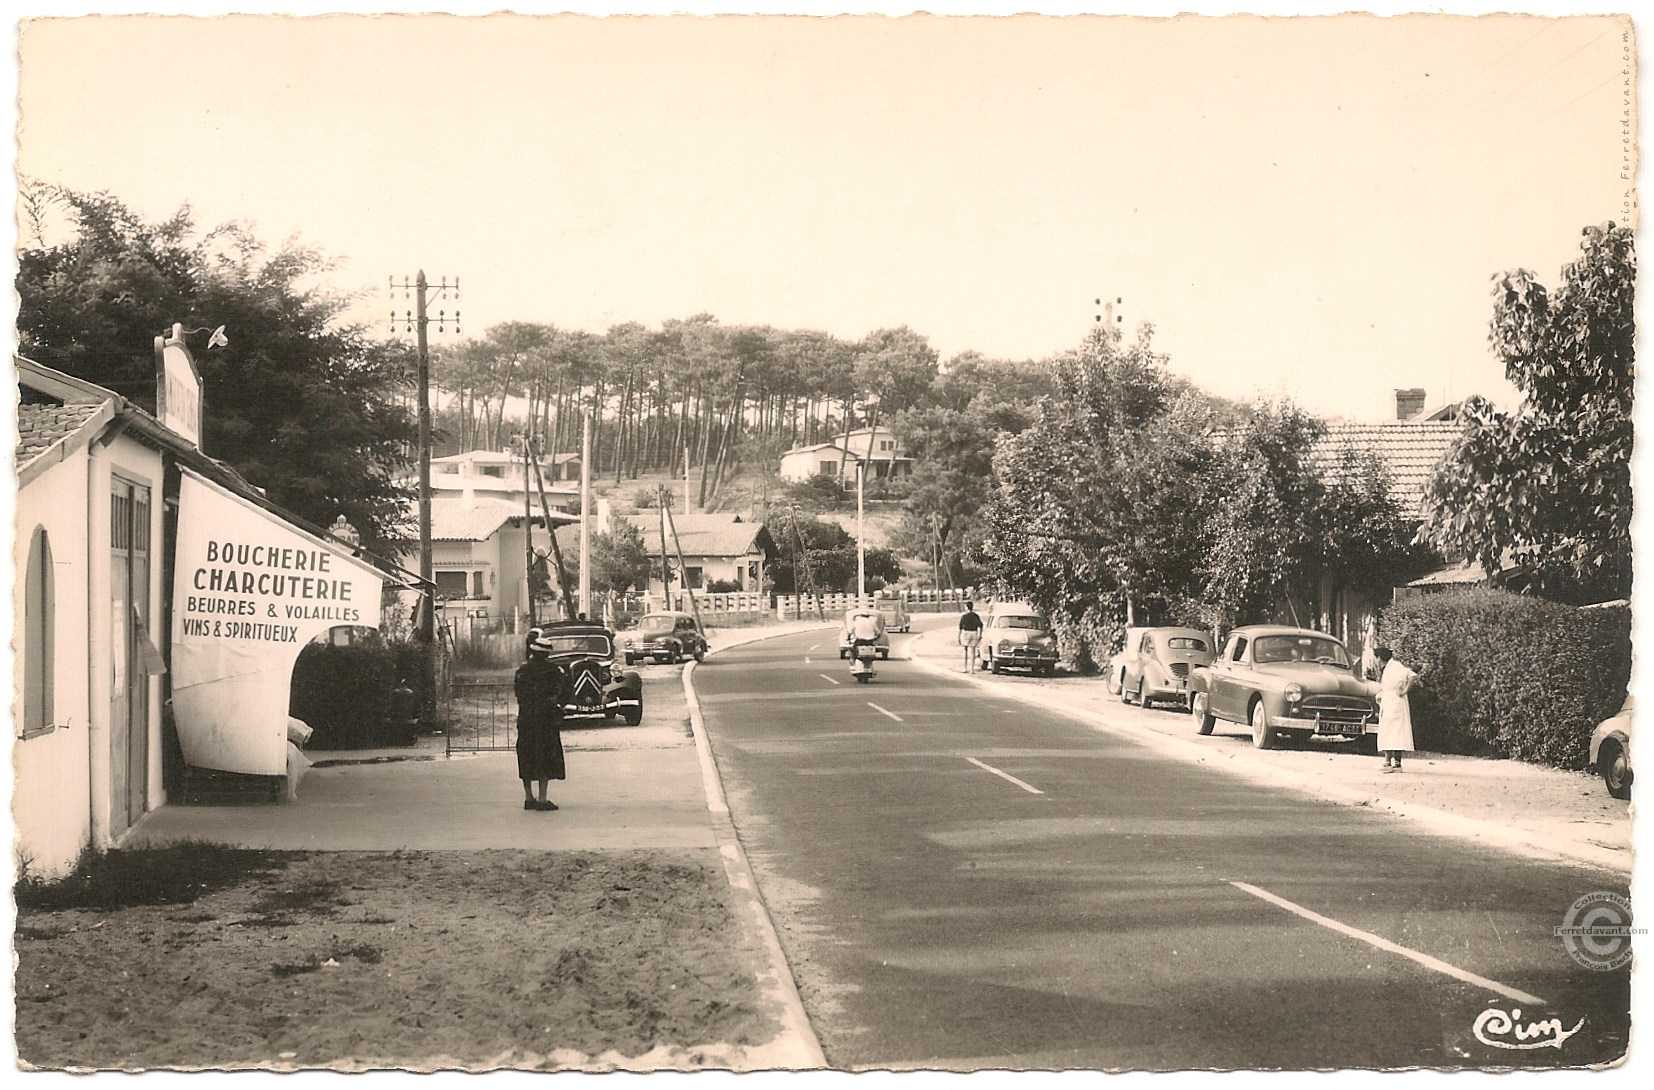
(51, 800)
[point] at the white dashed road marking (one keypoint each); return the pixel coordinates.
(834, 680)
(884, 711)
(1385, 944)
(1005, 776)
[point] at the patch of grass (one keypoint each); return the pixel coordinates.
(363, 952)
(169, 874)
(308, 965)
(318, 896)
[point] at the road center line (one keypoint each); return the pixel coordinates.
(1005, 776)
(884, 711)
(813, 646)
(1385, 944)
(834, 680)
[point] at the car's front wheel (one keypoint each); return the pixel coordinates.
(1615, 768)
(1204, 720)
(700, 654)
(633, 716)
(1263, 736)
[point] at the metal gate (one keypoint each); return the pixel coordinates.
(481, 715)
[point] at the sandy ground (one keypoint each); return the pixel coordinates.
(462, 959)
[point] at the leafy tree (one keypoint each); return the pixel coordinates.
(620, 560)
(831, 553)
(898, 365)
(303, 406)
(1548, 487)
(1097, 513)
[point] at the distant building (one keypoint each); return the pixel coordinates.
(840, 457)
(479, 559)
(498, 475)
(717, 548)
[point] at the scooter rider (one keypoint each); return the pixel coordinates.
(865, 627)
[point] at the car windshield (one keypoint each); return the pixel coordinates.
(1185, 643)
(1021, 620)
(581, 645)
(1320, 649)
(655, 625)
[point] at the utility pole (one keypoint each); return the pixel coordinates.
(586, 513)
(527, 441)
(666, 565)
(677, 546)
(419, 321)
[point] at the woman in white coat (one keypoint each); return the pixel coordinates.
(1395, 715)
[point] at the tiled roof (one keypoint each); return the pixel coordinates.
(469, 520)
(700, 535)
(42, 427)
(1411, 450)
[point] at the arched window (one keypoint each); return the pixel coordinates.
(39, 637)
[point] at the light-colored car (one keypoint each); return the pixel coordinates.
(894, 612)
(1156, 662)
(881, 646)
(1016, 636)
(1280, 680)
(1611, 751)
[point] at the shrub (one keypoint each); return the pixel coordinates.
(344, 692)
(1510, 675)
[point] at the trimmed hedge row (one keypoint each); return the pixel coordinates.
(1510, 676)
(347, 693)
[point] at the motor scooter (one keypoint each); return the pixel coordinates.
(861, 661)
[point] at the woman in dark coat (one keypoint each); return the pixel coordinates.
(539, 686)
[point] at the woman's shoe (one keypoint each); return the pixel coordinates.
(546, 805)
(530, 804)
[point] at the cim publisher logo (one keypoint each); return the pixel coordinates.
(1596, 931)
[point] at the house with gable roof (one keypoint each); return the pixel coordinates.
(1410, 446)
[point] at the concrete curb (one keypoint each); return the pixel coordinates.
(1439, 822)
(797, 1047)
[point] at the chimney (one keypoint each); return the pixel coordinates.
(1409, 403)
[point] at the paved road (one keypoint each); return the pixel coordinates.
(963, 882)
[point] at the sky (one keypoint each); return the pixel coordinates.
(1312, 207)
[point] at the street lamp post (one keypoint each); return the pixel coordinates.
(872, 402)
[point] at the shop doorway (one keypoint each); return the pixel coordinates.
(129, 626)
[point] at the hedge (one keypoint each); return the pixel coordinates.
(346, 692)
(1508, 675)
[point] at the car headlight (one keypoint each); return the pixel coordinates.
(627, 642)
(1004, 645)
(1294, 693)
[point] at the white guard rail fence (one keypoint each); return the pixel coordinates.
(792, 607)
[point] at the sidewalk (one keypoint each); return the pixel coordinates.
(629, 788)
(1536, 811)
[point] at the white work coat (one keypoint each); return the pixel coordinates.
(1395, 715)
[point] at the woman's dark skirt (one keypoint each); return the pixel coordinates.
(539, 751)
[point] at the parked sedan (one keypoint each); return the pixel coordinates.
(1611, 751)
(1281, 680)
(1017, 636)
(666, 637)
(1156, 662)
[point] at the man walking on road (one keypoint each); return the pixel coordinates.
(970, 635)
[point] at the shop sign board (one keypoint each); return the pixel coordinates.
(249, 591)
